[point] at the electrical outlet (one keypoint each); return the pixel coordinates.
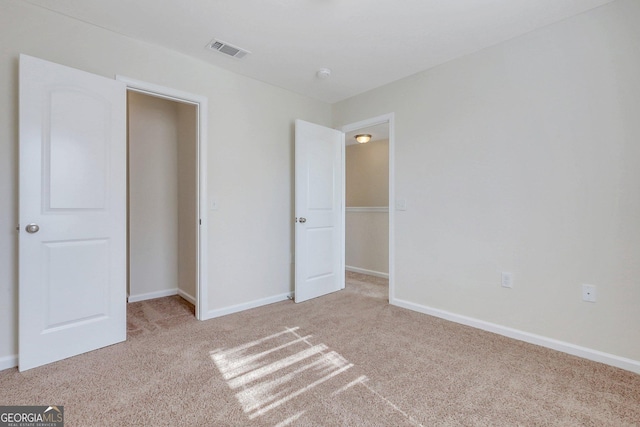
(507, 280)
(589, 293)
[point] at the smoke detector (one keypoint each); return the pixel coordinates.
(323, 73)
(227, 49)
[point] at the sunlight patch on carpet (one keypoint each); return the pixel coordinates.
(276, 369)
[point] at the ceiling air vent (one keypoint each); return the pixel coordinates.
(228, 49)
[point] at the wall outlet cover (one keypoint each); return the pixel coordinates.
(589, 293)
(507, 280)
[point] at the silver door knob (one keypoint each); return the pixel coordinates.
(32, 228)
(302, 220)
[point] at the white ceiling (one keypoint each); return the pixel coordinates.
(365, 43)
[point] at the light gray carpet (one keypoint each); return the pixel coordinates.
(346, 359)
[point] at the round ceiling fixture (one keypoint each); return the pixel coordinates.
(363, 138)
(323, 73)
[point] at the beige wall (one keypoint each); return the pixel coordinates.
(367, 185)
(524, 158)
(153, 195)
(187, 200)
(162, 197)
(367, 242)
(250, 152)
(367, 174)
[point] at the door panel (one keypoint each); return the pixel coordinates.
(319, 252)
(67, 300)
(72, 286)
(75, 169)
(320, 242)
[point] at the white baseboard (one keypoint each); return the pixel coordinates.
(8, 362)
(565, 347)
(152, 295)
(365, 271)
(160, 294)
(246, 306)
(187, 296)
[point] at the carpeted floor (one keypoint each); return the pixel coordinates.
(345, 359)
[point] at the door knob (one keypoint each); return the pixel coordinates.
(32, 228)
(302, 220)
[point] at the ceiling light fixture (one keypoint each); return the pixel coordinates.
(363, 138)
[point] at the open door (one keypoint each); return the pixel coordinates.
(72, 247)
(319, 207)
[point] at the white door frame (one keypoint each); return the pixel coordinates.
(385, 118)
(201, 103)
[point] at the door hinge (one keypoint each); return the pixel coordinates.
(18, 228)
(200, 221)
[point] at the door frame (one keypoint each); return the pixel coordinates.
(390, 119)
(201, 104)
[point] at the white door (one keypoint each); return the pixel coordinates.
(319, 206)
(72, 247)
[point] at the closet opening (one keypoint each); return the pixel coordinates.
(162, 198)
(368, 208)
